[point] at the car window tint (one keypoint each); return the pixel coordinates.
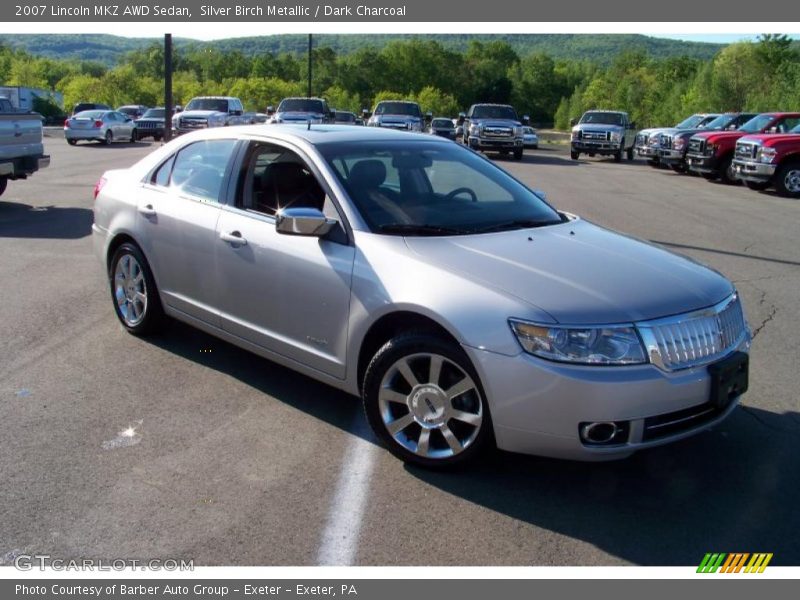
(274, 177)
(199, 168)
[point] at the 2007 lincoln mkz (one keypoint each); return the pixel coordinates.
(462, 307)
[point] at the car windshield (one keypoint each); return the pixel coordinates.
(721, 122)
(410, 109)
(442, 123)
(90, 114)
(215, 104)
(602, 118)
(706, 121)
(433, 188)
(154, 113)
(689, 122)
(301, 105)
(757, 123)
(795, 129)
(345, 117)
(487, 111)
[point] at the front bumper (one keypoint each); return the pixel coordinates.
(537, 406)
(479, 143)
(649, 152)
(671, 157)
(753, 171)
(531, 142)
(598, 147)
(702, 163)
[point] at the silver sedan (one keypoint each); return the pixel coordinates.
(104, 126)
(460, 306)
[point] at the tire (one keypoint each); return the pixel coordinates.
(3, 185)
(629, 153)
(518, 154)
(157, 137)
(758, 186)
(726, 175)
(678, 168)
(72, 142)
(109, 137)
(787, 180)
(133, 291)
(709, 176)
(618, 156)
(404, 388)
(653, 163)
(134, 136)
(574, 155)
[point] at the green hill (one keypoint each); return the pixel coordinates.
(600, 48)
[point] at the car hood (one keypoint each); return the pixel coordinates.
(150, 120)
(599, 127)
(496, 122)
(772, 139)
(297, 115)
(398, 118)
(718, 136)
(579, 272)
(199, 113)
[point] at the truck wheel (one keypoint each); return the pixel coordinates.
(787, 180)
(518, 154)
(678, 167)
(726, 174)
(629, 153)
(618, 156)
(134, 136)
(758, 186)
(574, 155)
(424, 401)
(3, 184)
(72, 142)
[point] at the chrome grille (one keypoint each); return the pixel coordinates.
(490, 131)
(697, 146)
(189, 123)
(597, 135)
(642, 139)
(149, 125)
(666, 141)
(696, 338)
(746, 150)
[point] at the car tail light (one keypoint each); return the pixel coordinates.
(98, 123)
(99, 186)
(66, 122)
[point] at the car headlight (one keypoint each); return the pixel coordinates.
(616, 136)
(711, 149)
(373, 122)
(766, 155)
(678, 144)
(474, 129)
(591, 345)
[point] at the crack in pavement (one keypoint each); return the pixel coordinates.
(773, 310)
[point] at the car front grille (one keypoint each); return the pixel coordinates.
(665, 141)
(642, 139)
(746, 150)
(696, 338)
(188, 123)
(597, 135)
(673, 423)
(149, 125)
(490, 131)
(697, 146)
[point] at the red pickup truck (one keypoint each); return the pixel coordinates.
(711, 153)
(763, 161)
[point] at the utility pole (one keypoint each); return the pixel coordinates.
(167, 87)
(309, 65)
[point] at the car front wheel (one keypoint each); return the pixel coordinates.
(787, 180)
(424, 401)
(134, 292)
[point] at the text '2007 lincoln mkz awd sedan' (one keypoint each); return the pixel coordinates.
(462, 307)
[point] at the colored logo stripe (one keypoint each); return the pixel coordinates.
(734, 562)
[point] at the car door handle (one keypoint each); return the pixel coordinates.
(147, 210)
(233, 237)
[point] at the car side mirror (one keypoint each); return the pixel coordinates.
(270, 110)
(632, 125)
(303, 221)
(461, 118)
(573, 122)
(428, 116)
(773, 130)
(332, 113)
(365, 113)
(526, 119)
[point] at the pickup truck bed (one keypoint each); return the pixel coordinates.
(21, 147)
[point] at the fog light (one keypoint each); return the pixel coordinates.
(604, 433)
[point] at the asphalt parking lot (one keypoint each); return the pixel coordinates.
(229, 459)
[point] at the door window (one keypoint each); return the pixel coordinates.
(199, 169)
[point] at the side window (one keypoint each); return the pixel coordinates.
(274, 177)
(161, 175)
(199, 169)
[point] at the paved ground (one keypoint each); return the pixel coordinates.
(234, 460)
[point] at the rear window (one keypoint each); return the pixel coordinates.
(301, 105)
(442, 123)
(398, 108)
(90, 114)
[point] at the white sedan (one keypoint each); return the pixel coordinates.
(529, 138)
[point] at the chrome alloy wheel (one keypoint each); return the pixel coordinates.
(430, 405)
(130, 290)
(791, 181)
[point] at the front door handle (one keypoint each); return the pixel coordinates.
(147, 210)
(233, 237)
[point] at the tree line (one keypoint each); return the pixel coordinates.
(756, 76)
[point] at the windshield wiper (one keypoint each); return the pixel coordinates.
(419, 229)
(514, 224)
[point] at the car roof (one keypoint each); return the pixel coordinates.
(315, 135)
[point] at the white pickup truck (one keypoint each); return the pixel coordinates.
(21, 148)
(211, 111)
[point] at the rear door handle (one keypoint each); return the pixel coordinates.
(233, 237)
(147, 210)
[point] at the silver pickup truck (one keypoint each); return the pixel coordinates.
(493, 127)
(211, 111)
(21, 147)
(603, 132)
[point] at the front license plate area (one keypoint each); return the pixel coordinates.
(729, 379)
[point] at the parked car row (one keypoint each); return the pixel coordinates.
(760, 150)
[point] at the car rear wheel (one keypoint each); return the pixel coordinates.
(618, 156)
(424, 401)
(134, 136)
(518, 154)
(134, 292)
(574, 155)
(72, 142)
(109, 137)
(726, 172)
(787, 180)
(629, 153)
